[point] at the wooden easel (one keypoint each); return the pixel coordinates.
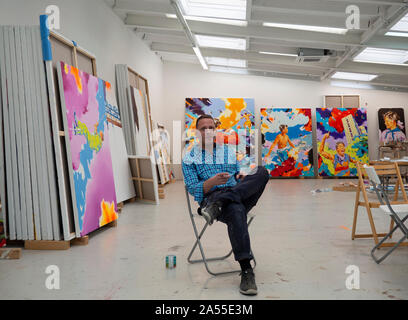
(383, 169)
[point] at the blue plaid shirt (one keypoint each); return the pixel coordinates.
(199, 165)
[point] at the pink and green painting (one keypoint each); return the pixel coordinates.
(87, 129)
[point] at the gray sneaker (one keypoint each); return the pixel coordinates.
(248, 285)
(211, 211)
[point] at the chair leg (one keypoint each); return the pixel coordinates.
(204, 259)
(389, 235)
(195, 246)
(379, 260)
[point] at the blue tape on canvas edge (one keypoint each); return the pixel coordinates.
(45, 38)
(75, 44)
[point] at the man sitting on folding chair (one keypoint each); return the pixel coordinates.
(212, 175)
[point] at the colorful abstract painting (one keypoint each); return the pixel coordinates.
(287, 142)
(84, 100)
(391, 123)
(341, 140)
(235, 119)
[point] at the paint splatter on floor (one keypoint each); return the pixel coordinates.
(175, 248)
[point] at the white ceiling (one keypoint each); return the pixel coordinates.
(166, 36)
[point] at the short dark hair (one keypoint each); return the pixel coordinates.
(204, 116)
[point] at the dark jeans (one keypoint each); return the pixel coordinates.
(237, 202)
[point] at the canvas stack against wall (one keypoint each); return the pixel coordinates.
(83, 100)
(30, 205)
(235, 119)
(391, 123)
(287, 146)
(341, 140)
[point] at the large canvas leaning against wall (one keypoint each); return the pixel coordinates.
(83, 100)
(124, 187)
(159, 154)
(287, 146)
(232, 115)
(391, 124)
(141, 124)
(341, 140)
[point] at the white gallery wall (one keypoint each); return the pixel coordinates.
(95, 27)
(183, 80)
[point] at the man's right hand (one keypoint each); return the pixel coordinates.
(218, 179)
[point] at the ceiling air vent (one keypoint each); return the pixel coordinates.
(306, 55)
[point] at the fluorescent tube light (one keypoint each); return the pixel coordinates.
(349, 84)
(237, 63)
(279, 54)
(227, 9)
(240, 23)
(354, 76)
(305, 27)
(200, 57)
(385, 56)
(221, 42)
(228, 70)
(397, 34)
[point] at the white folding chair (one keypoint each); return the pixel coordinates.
(397, 212)
(198, 242)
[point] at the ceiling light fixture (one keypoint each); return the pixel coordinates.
(221, 42)
(237, 63)
(397, 34)
(279, 54)
(200, 58)
(240, 23)
(189, 34)
(354, 76)
(228, 70)
(226, 9)
(383, 56)
(305, 27)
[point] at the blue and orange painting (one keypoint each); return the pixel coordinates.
(287, 147)
(235, 119)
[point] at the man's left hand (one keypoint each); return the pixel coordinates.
(240, 176)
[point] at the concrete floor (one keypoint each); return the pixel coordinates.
(300, 242)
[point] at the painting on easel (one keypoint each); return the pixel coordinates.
(391, 124)
(342, 140)
(83, 99)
